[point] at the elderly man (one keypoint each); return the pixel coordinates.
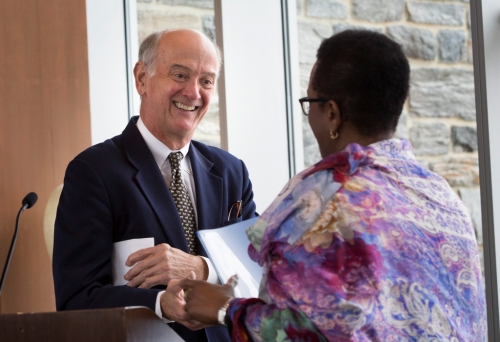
(152, 181)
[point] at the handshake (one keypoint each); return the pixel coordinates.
(188, 298)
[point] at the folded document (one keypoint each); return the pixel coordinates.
(227, 248)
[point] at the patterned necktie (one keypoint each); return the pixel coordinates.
(183, 202)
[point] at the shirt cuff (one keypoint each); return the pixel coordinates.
(212, 275)
(158, 308)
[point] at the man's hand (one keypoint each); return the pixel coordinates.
(172, 305)
(160, 264)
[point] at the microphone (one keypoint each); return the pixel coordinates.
(28, 201)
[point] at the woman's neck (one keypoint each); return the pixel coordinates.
(348, 134)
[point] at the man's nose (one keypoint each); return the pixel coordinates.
(192, 90)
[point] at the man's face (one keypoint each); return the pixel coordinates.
(177, 96)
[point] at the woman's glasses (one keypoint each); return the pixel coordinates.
(305, 103)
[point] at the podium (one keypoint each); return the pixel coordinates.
(114, 325)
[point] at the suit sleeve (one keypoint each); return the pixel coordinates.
(83, 243)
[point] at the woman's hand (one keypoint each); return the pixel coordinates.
(203, 300)
(173, 303)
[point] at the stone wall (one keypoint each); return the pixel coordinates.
(439, 116)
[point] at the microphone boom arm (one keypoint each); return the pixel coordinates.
(28, 202)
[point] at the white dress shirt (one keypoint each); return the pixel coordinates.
(160, 152)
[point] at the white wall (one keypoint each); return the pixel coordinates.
(107, 68)
(491, 33)
(251, 92)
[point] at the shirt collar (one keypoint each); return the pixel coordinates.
(159, 150)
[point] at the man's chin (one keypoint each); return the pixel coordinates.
(185, 131)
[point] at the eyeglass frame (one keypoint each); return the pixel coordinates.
(307, 99)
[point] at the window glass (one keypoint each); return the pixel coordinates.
(157, 15)
(439, 117)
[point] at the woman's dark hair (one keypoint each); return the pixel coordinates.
(367, 74)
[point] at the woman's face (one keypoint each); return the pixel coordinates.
(319, 114)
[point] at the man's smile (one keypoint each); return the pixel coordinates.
(184, 107)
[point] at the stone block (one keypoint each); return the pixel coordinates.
(469, 39)
(472, 200)
(452, 46)
(440, 93)
(458, 171)
(416, 43)
(191, 3)
(423, 161)
(430, 139)
(464, 138)
(311, 35)
(436, 13)
(152, 20)
(402, 128)
(305, 73)
(337, 28)
(378, 10)
(207, 22)
(470, 54)
(326, 9)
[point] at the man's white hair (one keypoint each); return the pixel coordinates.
(148, 51)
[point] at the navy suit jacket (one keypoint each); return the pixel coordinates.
(114, 191)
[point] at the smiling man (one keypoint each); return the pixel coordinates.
(152, 181)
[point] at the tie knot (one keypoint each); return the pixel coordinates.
(175, 159)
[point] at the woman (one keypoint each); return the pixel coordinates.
(366, 245)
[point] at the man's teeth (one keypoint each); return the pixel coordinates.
(181, 106)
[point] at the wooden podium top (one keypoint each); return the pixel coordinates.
(113, 325)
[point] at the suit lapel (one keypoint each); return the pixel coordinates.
(209, 190)
(150, 180)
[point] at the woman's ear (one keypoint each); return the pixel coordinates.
(334, 115)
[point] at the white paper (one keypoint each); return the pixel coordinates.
(228, 265)
(227, 249)
(121, 251)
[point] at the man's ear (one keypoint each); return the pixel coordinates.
(334, 115)
(140, 75)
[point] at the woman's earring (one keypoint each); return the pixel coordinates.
(334, 136)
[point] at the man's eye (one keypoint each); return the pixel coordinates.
(181, 76)
(208, 82)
